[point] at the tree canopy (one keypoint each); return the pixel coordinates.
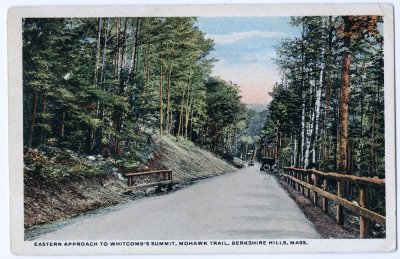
(327, 110)
(99, 85)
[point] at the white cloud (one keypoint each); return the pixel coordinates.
(238, 36)
(257, 57)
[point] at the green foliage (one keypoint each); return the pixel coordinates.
(305, 103)
(105, 85)
(224, 113)
(56, 162)
(223, 102)
(184, 141)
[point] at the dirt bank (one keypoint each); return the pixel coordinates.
(188, 162)
(52, 197)
(48, 198)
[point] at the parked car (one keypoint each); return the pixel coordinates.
(251, 163)
(268, 164)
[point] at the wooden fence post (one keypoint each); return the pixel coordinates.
(298, 177)
(339, 208)
(325, 200)
(362, 209)
(364, 223)
(291, 181)
(284, 175)
(287, 178)
(316, 185)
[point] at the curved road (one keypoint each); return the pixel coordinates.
(241, 205)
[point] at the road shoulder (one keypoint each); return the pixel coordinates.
(324, 224)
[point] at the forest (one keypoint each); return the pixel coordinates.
(98, 93)
(106, 85)
(327, 110)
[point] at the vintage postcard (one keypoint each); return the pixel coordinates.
(202, 129)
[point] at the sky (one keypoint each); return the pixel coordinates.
(245, 48)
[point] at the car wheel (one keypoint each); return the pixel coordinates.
(266, 167)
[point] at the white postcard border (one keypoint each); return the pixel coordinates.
(15, 15)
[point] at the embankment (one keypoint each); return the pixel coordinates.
(49, 198)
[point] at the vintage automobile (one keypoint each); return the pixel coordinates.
(268, 164)
(251, 163)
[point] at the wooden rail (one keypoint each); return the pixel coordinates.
(163, 177)
(306, 180)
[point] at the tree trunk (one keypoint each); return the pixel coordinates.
(315, 121)
(132, 63)
(161, 95)
(167, 119)
(148, 70)
(117, 49)
(245, 151)
(303, 133)
(187, 106)
(187, 117)
(299, 150)
(117, 63)
(119, 121)
(33, 117)
(95, 79)
(343, 107)
(304, 96)
(294, 163)
(43, 120)
(181, 114)
(105, 51)
(255, 151)
(135, 49)
(307, 145)
(191, 125)
(328, 91)
(344, 104)
(63, 125)
(278, 144)
(96, 66)
(122, 57)
(171, 118)
(100, 113)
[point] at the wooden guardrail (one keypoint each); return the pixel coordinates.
(306, 180)
(164, 177)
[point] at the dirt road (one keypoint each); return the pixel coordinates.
(245, 204)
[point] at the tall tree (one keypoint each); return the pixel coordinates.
(355, 28)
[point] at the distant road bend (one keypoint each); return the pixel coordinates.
(241, 205)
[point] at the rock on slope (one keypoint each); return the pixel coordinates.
(48, 198)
